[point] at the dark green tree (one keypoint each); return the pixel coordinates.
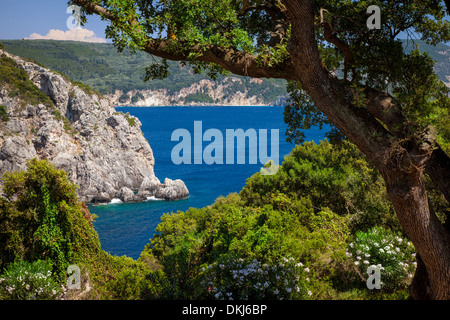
(386, 100)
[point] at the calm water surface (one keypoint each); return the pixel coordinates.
(124, 229)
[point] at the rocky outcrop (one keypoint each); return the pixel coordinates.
(104, 152)
(172, 190)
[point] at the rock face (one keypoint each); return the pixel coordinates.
(228, 92)
(104, 152)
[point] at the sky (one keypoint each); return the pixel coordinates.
(41, 19)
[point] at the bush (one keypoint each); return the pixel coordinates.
(218, 235)
(131, 121)
(337, 177)
(17, 82)
(388, 250)
(234, 278)
(29, 281)
(42, 218)
(3, 114)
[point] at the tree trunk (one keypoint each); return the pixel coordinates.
(407, 193)
(420, 286)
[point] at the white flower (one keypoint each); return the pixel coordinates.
(309, 293)
(356, 263)
(307, 269)
(366, 262)
(288, 290)
(358, 257)
(276, 291)
(351, 245)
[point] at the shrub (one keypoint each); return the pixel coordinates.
(42, 217)
(3, 114)
(384, 248)
(329, 176)
(17, 82)
(124, 98)
(233, 278)
(29, 281)
(131, 121)
(189, 241)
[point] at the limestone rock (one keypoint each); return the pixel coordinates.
(103, 151)
(172, 190)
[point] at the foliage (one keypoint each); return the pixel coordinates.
(124, 98)
(136, 97)
(3, 114)
(302, 218)
(337, 177)
(28, 281)
(199, 98)
(131, 121)
(388, 250)
(233, 278)
(42, 218)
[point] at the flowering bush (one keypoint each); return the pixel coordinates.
(249, 279)
(384, 248)
(28, 281)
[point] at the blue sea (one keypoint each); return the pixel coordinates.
(124, 229)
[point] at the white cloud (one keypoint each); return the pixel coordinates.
(78, 34)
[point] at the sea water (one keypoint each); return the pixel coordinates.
(125, 228)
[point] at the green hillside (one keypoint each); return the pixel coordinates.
(104, 69)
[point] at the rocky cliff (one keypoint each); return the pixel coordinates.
(231, 91)
(104, 152)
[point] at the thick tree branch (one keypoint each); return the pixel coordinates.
(334, 98)
(235, 61)
(382, 106)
